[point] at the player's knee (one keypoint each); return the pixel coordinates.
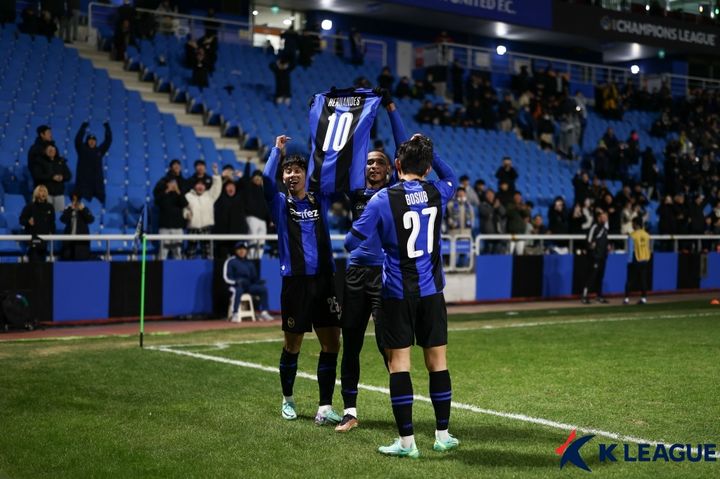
(292, 343)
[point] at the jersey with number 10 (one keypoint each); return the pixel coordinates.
(408, 218)
(340, 123)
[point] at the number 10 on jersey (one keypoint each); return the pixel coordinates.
(338, 137)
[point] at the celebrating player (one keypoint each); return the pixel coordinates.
(363, 278)
(407, 218)
(307, 268)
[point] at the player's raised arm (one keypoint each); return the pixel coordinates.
(366, 225)
(398, 128)
(271, 167)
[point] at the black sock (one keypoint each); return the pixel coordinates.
(326, 373)
(350, 366)
(441, 395)
(288, 370)
(401, 395)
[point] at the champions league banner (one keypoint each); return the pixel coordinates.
(532, 13)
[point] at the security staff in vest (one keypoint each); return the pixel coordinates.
(639, 254)
(597, 249)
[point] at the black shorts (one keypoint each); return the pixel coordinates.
(415, 320)
(361, 296)
(309, 302)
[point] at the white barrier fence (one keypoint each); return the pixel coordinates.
(459, 251)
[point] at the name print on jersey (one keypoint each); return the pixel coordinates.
(346, 101)
(416, 198)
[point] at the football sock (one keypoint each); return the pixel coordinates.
(326, 372)
(288, 371)
(441, 395)
(350, 365)
(401, 395)
(407, 441)
(350, 410)
(288, 399)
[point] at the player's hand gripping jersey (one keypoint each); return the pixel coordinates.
(408, 218)
(340, 123)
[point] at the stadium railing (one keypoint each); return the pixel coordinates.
(100, 18)
(475, 57)
(572, 239)
(453, 247)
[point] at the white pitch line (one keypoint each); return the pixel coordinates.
(457, 405)
(487, 327)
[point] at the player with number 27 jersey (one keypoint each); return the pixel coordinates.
(408, 219)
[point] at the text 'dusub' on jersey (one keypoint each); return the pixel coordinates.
(416, 209)
(340, 123)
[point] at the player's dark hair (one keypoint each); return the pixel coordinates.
(637, 222)
(294, 160)
(416, 155)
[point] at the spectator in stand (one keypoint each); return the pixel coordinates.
(166, 23)
(256, 209)
(200, 70)
(426, 113)
(649, 173)
(339, 45)
(633, 148)
(291, 44)
(505, 194)
(517, 217)
(535, 227)
(492, 221)
(230, 217)
(209, 44)
(601, 159)
(171, 203)
(480, 188)
(46, 25)
(30, 24)
(200, 212)
(52, 171)
(241, 275)
(546, 132)
(174, 173)
(558, 221)
(38, 218)
(506, 113)
(386, 79)
(507, 173)
(457, 77)
(581, 185)
(76, 219)
(403, 88)
(472, 197)
(281, 68)
(37, 150)
(460, 214)
(357, 49)
(199, 175)
(90, 182)
(667, 224)
(123, 38)
(8, 11)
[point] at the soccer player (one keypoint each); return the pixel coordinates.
(306, 264)
(597, 241)
(639, 255)
(363, 278)
(407, 218)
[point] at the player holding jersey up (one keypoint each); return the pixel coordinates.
(407, 219)
(363, 277)
(307, 268)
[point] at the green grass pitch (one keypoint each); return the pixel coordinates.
(105, 408)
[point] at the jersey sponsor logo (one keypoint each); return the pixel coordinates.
(344, 101)
(305, 215)
(416, 198)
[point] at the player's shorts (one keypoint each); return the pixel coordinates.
(309, 302)
(361, 295)
(414, 320)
